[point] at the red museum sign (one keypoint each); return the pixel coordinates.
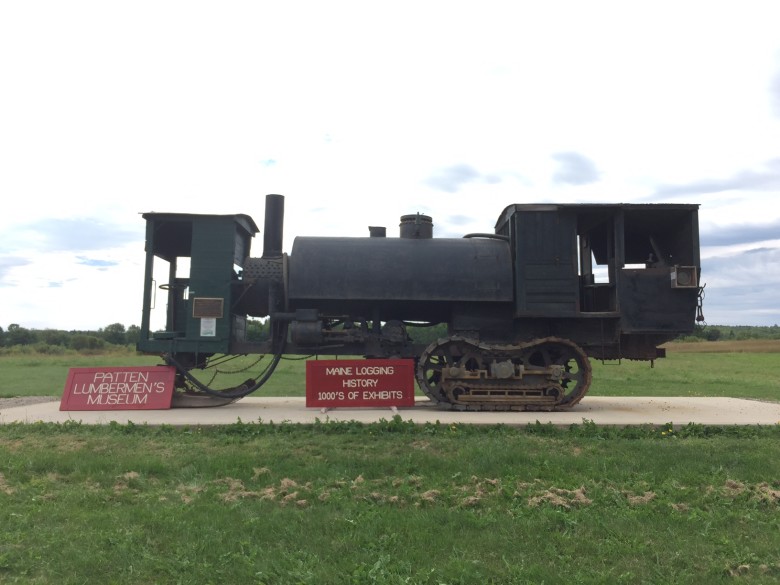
(119, 388)
(351, 383)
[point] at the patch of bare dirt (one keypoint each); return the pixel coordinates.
(637, 500)
(561, 498)
(25, 401)
(766, 492)
(430, 496)
(4, 487)
(733, 488)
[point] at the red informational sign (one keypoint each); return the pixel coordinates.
(350, 383)
(119, 388)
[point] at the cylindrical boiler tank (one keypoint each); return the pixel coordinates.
(401, 278)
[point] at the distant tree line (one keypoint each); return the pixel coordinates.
(56, 340)
(732, 333)
(110, 337)
(117, 335)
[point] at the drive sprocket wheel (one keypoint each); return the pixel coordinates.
(446, 353)
(577, 372)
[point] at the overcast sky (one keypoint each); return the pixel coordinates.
(359, 112)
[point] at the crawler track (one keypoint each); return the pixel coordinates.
(542, 374)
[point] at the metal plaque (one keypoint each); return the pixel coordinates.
(205, 307)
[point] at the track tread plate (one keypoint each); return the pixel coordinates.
(436, 381)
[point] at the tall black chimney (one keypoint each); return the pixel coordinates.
(274, 226)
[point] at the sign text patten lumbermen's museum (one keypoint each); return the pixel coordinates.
(350, 383)
(119, 388)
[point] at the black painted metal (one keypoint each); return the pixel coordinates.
(274, 226)
(400, 269)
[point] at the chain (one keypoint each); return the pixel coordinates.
(699, 307)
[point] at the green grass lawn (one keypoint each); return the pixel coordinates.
(395, 502)
(388, 503)
(734, 374)
(737, 375)
(45, 375)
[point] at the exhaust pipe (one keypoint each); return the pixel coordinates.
(274, 226)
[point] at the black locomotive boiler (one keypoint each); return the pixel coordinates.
(525, 306)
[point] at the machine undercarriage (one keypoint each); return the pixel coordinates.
(543, 374)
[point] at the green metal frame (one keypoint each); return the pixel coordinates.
(200, 314)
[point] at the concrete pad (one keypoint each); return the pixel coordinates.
(602, 410)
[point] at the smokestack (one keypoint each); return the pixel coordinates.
(416, 227)
(274, 226)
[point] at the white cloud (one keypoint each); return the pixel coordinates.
(110, 110)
